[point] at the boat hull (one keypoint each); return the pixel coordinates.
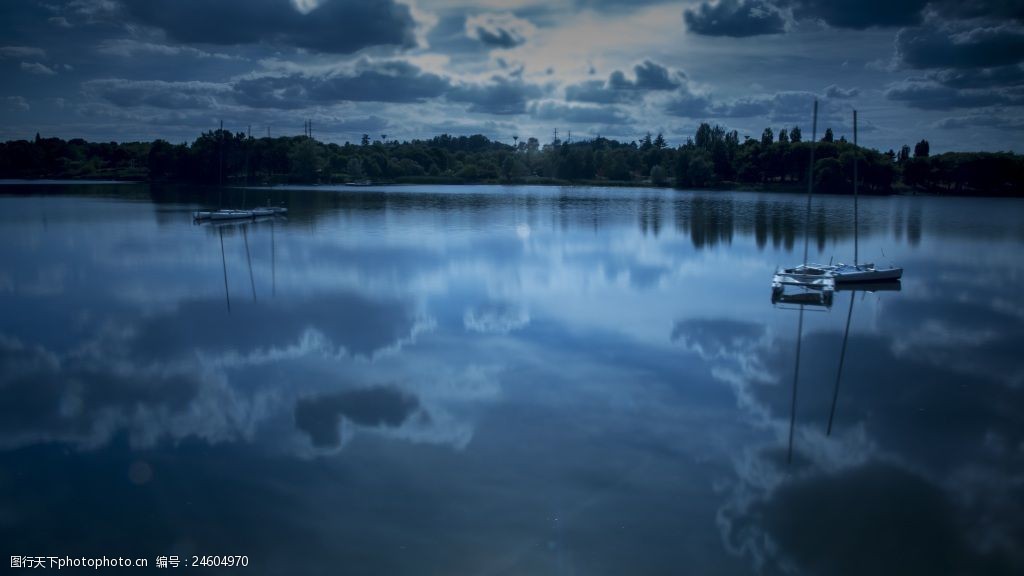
(238, 214)
(846, 274)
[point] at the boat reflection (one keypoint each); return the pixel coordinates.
(817, 297)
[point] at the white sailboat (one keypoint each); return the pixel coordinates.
(811, 277)
(856, 272)
(814, 275)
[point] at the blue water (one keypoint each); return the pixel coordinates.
(509, 380)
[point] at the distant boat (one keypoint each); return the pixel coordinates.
(844, 273)
(840, 273)
(812, 278)
(819, 286)
(238, 221)
(359, 183)
(239, 214)
(856, 272)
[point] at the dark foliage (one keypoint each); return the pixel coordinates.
(713, 158)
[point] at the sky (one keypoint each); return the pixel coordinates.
(948, 71)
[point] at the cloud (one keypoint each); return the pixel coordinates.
(1000, 121)
(794, 525)
(965, 9)
(549, 110)
(929, 95)
(274, 328)
(21, 52)
(367, 81)
(979, 77)
(17, 104)
(378, 406)
(37, 68)
(500, 96)
(499, 30)
(332, 26)
(784, 106)
(495, 318)
(686, 104)
(127, 48)
(160, 94)
(833, 91)
(649, 76)
(859, 14)
(959, 46)
(387, 81)
(85, 398)
(735, 18)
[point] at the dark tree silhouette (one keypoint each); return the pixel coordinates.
(921, 149)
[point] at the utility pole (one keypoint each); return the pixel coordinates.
(220, 150)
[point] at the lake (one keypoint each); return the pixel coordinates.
(509, 380)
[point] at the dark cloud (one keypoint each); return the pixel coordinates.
(812, 521)
(859, 14)
(390, 81)
(500, 96)
(979, 77)
(82, 398)
(995, 9)
(744, 107)
(593, 91)
(159, 94)
(355, 324)
(336, 26)
(378, 406)
(786, 106)
(650, 76)
(689, 105)
(933, 96)
(499, 37)
(999, 121)
(949, 46)
(736, 18)
(717, 336)
(579, 114)
(833, 91)
(498, 30)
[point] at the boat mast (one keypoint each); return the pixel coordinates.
(856, 161)
(842, 358)
(810, 181)
(224, 263)
(248, 257)
(796, 378)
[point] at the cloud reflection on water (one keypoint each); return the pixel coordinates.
(611, 356)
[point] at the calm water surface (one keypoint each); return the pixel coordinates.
(488, 380)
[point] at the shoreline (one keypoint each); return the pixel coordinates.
(727, 186)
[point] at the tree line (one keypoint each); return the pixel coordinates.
(713, 158)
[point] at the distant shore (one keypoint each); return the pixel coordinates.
(714, 159)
